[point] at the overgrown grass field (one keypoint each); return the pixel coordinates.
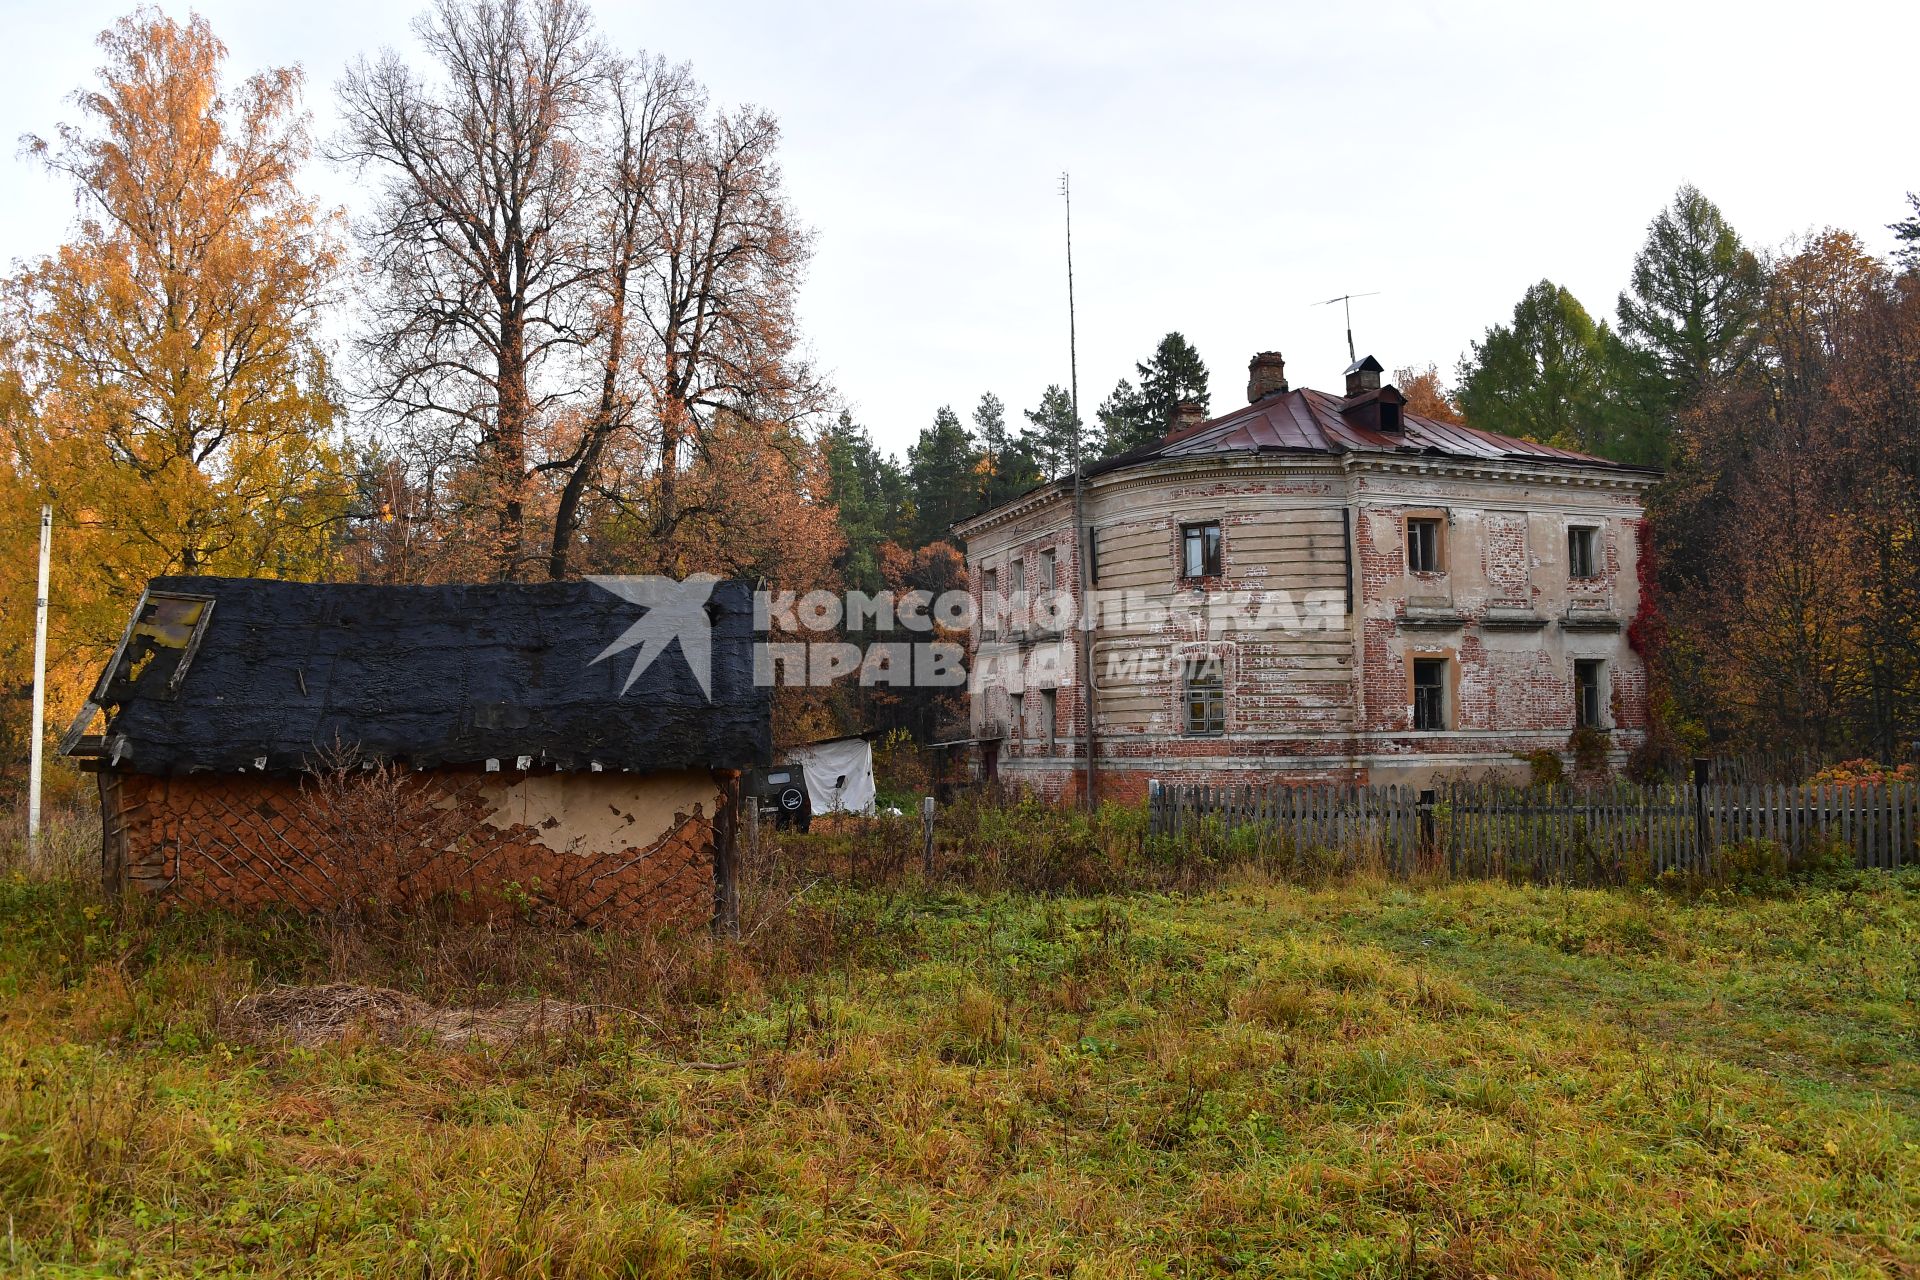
(1356, 1079)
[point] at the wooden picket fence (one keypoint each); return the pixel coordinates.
(1548, 834)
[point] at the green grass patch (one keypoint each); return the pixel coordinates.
(1362, 1079)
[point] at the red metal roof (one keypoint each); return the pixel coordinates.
(1307, 421)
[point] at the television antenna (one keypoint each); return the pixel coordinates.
(1082, 535)
(1346, 301)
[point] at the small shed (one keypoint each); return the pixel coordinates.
(575, 745)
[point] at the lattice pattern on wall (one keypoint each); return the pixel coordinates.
(354, 839)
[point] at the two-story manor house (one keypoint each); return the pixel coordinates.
(1309, 587)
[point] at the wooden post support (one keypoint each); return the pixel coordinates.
(1428, 836)
(726, 857)
(1702, 835)
(926, 833)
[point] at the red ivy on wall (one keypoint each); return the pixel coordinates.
(1647, 633)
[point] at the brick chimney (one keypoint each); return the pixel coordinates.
(1266, 376)
(1185, 414)
(1363, 375)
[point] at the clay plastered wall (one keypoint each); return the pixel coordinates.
(606, 848)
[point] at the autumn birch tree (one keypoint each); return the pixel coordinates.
(168, 392)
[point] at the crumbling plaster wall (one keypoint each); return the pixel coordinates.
(596, 848)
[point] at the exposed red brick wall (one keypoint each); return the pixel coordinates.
(1513, 690)
(1504, 560)
(261, 840)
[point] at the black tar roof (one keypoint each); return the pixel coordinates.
(281, 674)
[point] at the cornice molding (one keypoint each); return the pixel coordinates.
(1334, 468)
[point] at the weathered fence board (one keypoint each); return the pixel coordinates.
(1547, 833)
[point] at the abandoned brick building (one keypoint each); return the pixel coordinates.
(1310, 587)
(310, 744)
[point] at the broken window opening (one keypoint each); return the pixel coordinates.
(157, 648)
(1589, 682)
(1583, 559)
(1429, 693)
(1423, 545)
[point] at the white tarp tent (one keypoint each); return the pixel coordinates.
(839, 774)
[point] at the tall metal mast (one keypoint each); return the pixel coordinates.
(1082, 536)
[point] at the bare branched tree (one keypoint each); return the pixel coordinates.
(580, 269)
(648, 104)
(718, 301)
(476, 248)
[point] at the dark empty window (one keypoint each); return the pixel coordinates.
(1423, 544)
(1206, 698)
(1093, 556)
(1583, 546)
(1200, 550)
(1429, 693)
(1589, 677)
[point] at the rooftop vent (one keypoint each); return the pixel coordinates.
(1363, 375)
(1266, 376)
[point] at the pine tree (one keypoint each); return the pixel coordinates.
(1050, 434)
(1126, 421)
(1690, 312)
(1132, 417)
(868, 490)
(1907, 232)
(1007, 465)
(941, 468)
(1554, 376)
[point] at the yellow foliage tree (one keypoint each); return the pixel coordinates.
(167, 391)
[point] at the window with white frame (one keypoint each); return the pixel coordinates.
(1425, 546)
(1200, 550)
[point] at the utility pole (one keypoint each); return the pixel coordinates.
(1082, 536)
(38, 729)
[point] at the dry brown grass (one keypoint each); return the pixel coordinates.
(312, 1016)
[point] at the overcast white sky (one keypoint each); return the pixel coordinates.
(1232, 163)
